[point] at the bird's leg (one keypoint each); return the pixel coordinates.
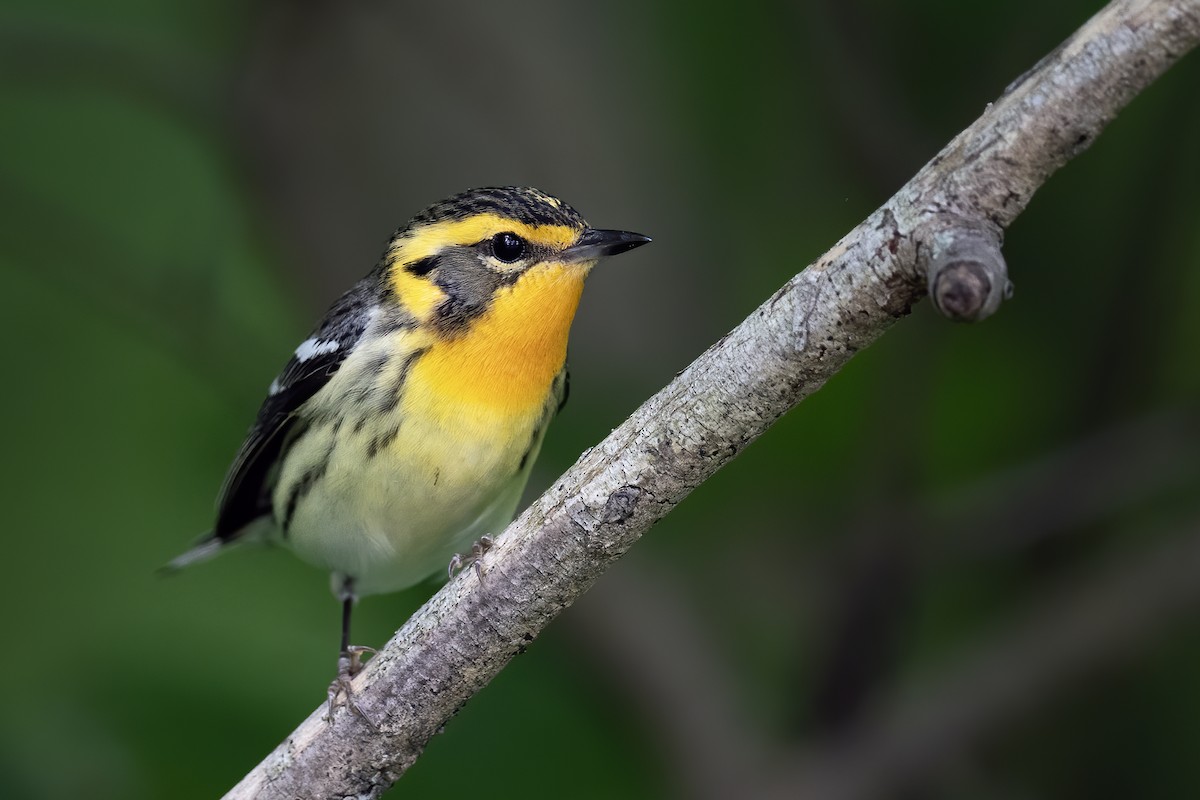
(349, 661)
(474, 558)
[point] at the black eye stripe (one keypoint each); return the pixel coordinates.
(508, 247)
(422, 267)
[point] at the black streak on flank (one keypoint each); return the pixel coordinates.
(563, 388)
(382, 441)
(537, 432)
(303, 486)
(375, 366)
(364, 386)
(393, 397)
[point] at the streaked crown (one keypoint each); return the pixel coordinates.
(522, 204)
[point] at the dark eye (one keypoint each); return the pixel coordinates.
(508, 247)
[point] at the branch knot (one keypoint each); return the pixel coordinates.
(965, 271)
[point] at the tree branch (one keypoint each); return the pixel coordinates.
(782, 353)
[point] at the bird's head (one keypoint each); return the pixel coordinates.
(513, 251)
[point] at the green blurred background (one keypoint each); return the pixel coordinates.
(967, 568)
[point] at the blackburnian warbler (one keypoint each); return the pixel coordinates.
(404, 428)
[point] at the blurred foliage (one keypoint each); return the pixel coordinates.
(186, 185)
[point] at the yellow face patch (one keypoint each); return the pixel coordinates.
(418, 295)
(422, 296)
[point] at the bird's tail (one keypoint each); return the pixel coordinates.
(208, 546)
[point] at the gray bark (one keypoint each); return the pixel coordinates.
(786, 350)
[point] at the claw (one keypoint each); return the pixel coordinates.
(349, 665)
(355, 652)
(475, 559)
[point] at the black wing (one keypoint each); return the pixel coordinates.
(246, 493)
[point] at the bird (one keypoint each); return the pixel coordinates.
(403, 430)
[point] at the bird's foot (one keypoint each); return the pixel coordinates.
(349, 665)
(474, 558)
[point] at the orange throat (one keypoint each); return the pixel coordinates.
(510, 356)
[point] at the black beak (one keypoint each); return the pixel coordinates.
(594, 244)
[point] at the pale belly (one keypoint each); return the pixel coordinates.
(391, 517)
